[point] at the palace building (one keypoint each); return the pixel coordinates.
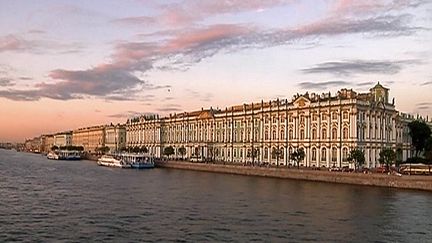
(326, 127)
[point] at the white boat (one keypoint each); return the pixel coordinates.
(112, 161)
(64, 155)
(138, 161)
(127, 160)
(52, 155)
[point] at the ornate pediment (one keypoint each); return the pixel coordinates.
(301, 102)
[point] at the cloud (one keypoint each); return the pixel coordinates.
(4, 82)
(129, 114)
(11, 43)
(424, 106)
(169, 108)
(178, 50)
(325, 85)
(352, 67)
(139, 20)
(426, 83)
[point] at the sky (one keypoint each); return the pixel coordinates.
(71, 64)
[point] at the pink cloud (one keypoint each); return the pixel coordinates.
(203, 36)
(11, 43)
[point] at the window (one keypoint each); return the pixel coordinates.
(265, 153)
(314, 117)
(301, 134)
(282, 134)
(314, 154)
(323, 154)
(345, 133)
(334, 133)
(334, 115)
(345, 115)
(274, 134)
(345, 154)
(314, 133)
(324, 133)
(334, 154)
(290, 134)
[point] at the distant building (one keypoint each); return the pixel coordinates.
(63, 139)
(115, 137)
(326, 127)
(47, 142)
(33, 145)
(90, 138)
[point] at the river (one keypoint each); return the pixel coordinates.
(77, 201)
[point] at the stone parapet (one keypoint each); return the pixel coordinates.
(383, 180)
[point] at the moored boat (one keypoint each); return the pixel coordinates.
(64, 155)
(112, 161)
(127, 160)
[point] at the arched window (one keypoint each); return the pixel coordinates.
(314, 133)
(323, 154)
(265, 153)
(324, 133)
(274, 135)
(273, 153)
(334, 154)
(334, 133)
(345, 133)
(282, 134)
(301, 134)
(266, 134)
(314, 154)
(345, 154)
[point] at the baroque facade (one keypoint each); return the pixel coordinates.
(94, 137)
(326, 127)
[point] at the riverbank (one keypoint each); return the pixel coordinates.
(382, 180)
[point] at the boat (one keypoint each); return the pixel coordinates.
(64, 155)
(52, 155)
(127, 160)
(112, 161)
(138, 161)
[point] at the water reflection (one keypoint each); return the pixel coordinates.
(46, 200)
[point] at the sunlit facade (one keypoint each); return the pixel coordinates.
(326, 127)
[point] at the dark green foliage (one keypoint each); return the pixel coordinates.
(387, 157)
(357, 156)
(419, 132)
(168, 151)
(182, 151)
(297, 156)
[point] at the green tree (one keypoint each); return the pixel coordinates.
(168, 151)
(136, 149)
(357, 157)
(428, 152)
(419, 132)
(182, 151)
(387, 157)
(144, 149)
(276, 153)
(54, 147)
(297, 156)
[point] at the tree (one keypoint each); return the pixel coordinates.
(182, 151)
(428, 152)
(419, 132)
(387, 157)
(168, 151)
(357, 156)
(54, 147)
(144, 149)
(103, 150)
(298, 155)
(277, 154)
